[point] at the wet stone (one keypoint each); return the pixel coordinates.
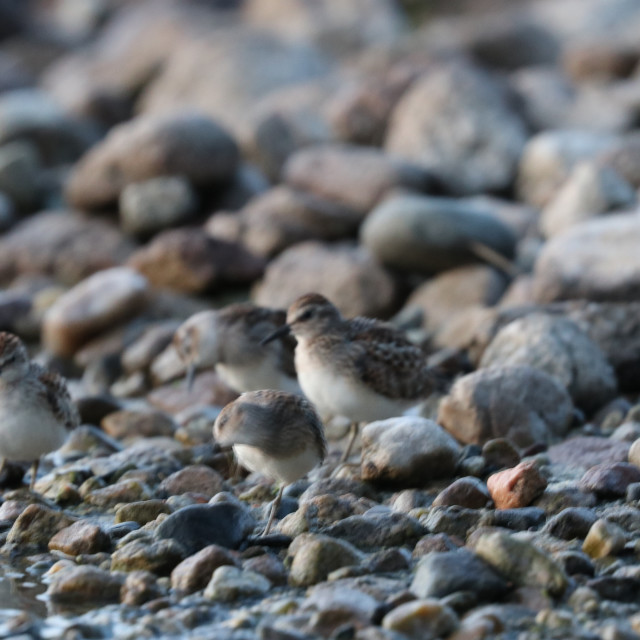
(194, 573)
(85, 583)
(517, 487)
(570, 523)
(615, 588)
(441, 574)
(608, 480)
(604, 539)
(159, 557)
(80, 538)
(35, 526)
(141, 512)
(576, 563)
(139, 587)
(453, 521)
(195, 478)
(123, 491)
(465, 492)
(520, 519)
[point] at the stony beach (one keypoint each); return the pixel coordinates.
(468, 173)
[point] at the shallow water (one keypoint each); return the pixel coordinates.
(21, 608)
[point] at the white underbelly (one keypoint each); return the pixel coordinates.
(29, 433)
(264, 375)
(284, 470)
(340, 396)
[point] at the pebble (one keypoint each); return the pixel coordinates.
(518, 519)
(604, 539)
(521, 562)
(270, 566)
(141, 512)
(441, 574)
(122, 491)
(96, 304)
(570, 523)
(607, 480)
(196, 478)
(185, 144)
(85, 583)
(230, 583)
(194, 573)
(452, 521)
(137, 424)
(156, 204)
(80, 538)
(139, 587)
(517, 487)
(407, 451)
(499, 453)
(467, 492)
(158, 556)
(428, 234)
(198, 526)
(315, 556)
(634, 453)
(35, 526)
(421, 620)
(520, 403)
(585, 452)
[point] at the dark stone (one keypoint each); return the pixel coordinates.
(616, 588)
(441, 574)
(633, 492)
(571, 523)
(576, 563)
(93, 409)
(121, 529)
(197, 526)
(607, 480)
(516, 519)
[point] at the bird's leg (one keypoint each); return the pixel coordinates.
(34, 473)
(353, 429)
(274, 508)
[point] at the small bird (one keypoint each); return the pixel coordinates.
(230, 339)
(36, 411)
(275, 433)
(359, 368)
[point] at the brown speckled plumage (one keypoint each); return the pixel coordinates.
(53, 390)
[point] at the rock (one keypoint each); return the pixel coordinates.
(421, 620)
(281, 217)
(315, 556)
(96, 304)
(499, 453)
(375, 530)
(231, 583)
(517, 519)
(139, 587)
(243, 65)
(634, 453)
(549, 157)
(519, 403)
(185, 144)
(138, 424)
(584, 452)
(595, 260)
(452, 293)
(441, 574)
(159, 556)
(156, 204)
(590, 191)
(196, 478)
(195, 572)
(560, 348)
(615, 588)
(197, 526)
(466, 492)
(486, 135)
(517, 487)
(122, 491)
(336, 30)
(599, 61)
(570, 523)
(429, 234)
(348, 276)
(610, 480)
(521, 562)
(452, 521)
(141, 512)
(31, 115)
(35, 526)
(80, 538)
(354, 177)
(189, 261)
(84, 583)
(576, 563)
(627, 432)
(63, 245)
(140, 353)
(604, 539)
(407, 451)
(20, 175)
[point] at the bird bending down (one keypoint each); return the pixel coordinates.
(359, 368)
(229, 339)
(36, 411)
(275, 433)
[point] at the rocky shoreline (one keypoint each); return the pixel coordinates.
(470, 176)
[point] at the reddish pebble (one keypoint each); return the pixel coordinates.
(516, 487)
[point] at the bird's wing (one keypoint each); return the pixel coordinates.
(53, 390)
(387, 362)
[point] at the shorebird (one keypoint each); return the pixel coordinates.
(359, 368)
(36, 411)
(230, 339)
(275, 433)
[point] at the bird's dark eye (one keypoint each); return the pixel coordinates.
(306, 315)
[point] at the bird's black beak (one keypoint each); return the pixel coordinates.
(278, 333)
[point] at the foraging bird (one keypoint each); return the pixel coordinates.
(359, 368)
(230, 339)
(275, 433)
(36, 411)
